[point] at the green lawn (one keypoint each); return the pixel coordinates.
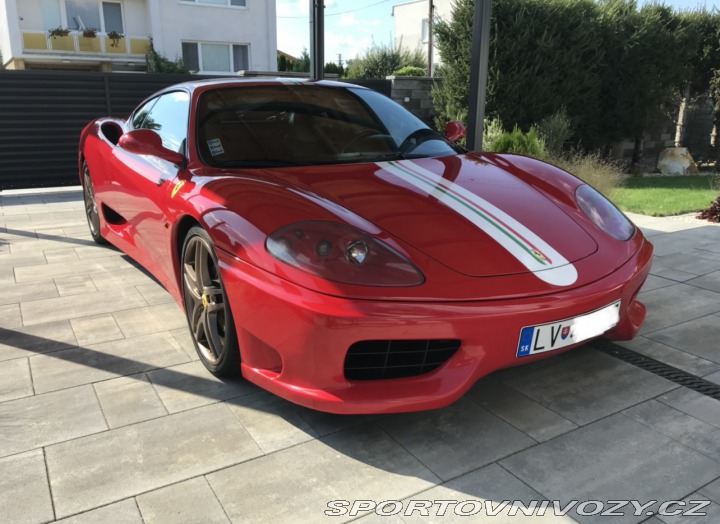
(666, 195)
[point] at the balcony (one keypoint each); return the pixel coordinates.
(77, 44)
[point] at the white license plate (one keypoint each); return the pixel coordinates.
(557, 335)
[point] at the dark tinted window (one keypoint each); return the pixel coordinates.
(169, 118)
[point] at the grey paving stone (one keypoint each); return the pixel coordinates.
(32, 422)
(65, 254)
(709, 281)
(689, 431)
(155, 294)
(40, 338)
(672, 274)
(96, 362)
(190, 502)
(99, 469)
(10, 316)
(711, 491)
(122, 279)
(699, 337)
(75, 285)
(663, 310)
(16, 293)
(190, 385)
(13, 261)
(65, 308)
(589, 386)
(691, 505)
(7, 276)
(183, 337)
(613, 459)
(15, 380)
(24, 489)
(694, 404)
(274, 423)
(457, 439)
(694, 261)
(671, 356)
(715, 377)
(327, 423)
(128, 400)
(150, 319)
(656, 282)
(62, 269)
(97, 251)
(359, 463)
(685, 240)
(96, 329)
(519, 411)
(123, 512)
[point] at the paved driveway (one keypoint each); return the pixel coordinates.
(107, 416)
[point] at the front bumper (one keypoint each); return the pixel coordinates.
(293, 341)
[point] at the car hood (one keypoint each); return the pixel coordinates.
(474, 217)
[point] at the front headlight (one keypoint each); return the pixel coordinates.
(340, 253)
(603, 213)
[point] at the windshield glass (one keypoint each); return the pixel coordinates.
(302, 124)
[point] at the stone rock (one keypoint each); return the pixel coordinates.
(676, 161)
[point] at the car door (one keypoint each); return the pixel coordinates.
(145, 182)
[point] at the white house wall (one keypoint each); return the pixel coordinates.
(408, 19)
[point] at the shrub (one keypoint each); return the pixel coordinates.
(411, 71)
(711, 214)
(555, 130)
(529, 144)
(603, 174)
(380, 61)
(492, 130)
(156, 63)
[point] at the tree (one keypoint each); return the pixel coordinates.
(302, 64)
(380, 61)
(156, 63)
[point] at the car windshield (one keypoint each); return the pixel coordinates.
(305, 124)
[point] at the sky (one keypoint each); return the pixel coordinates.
(352, 26)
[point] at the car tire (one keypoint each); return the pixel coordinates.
(207, 309)
(92, 213)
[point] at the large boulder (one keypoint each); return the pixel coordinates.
(676, 161)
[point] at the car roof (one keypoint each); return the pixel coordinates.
(192, 85)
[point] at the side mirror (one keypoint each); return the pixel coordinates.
(148, 142)
(454, 131)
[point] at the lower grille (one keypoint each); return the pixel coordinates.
(385, 359)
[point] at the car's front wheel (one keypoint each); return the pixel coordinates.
(206, 306)
(91, 209)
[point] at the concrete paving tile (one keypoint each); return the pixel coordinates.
(709, 281)
(111, 466)
(519, 411)
(715, 377)
(24, 489)
(327, 423)
(22, 260)
(190, 385)
(615, 458)
(689, 431)
(65, 308)
(15, 380)
(189, 502)
(274, 423)
(41, 338)
(155, 294)
(457, 439)
(7, 276)
(10, 316)
(711, 491)
(671, 356)
(150, 319)
(656, 282)
(75, 285)
(685, 240)
(61, 269)
(359, 463)
(40, 420)
(671, 274)
(97, 251)
(121, 279)
(128, 400)
(699, 512)
(54, 243)
(16, 293)
(590, 386)
(96, 329)
(693, 261)
(183, 337)
(67, 255)
(699, 337)
(662, 306)
(694, 404)
(123, 512)
(96, 362)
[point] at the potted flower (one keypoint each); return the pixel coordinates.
(59, 31)
(89, 32)
(114, 37)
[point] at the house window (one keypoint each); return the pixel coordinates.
(225, 3)
(82, 14)
(425, 30)
(207, 57)
(112, 16)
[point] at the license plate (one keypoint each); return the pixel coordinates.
(557, 335)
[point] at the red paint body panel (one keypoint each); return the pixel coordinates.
(295, 328)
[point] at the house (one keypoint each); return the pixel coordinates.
(212, 36)
(411, 24)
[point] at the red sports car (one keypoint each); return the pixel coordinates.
(345, 256)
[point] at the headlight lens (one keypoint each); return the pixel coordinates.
(603, 213)
(340, 253)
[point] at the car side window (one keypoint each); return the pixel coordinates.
(169, 119)
(140, 113)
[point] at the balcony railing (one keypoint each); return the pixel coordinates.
(76, 43)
